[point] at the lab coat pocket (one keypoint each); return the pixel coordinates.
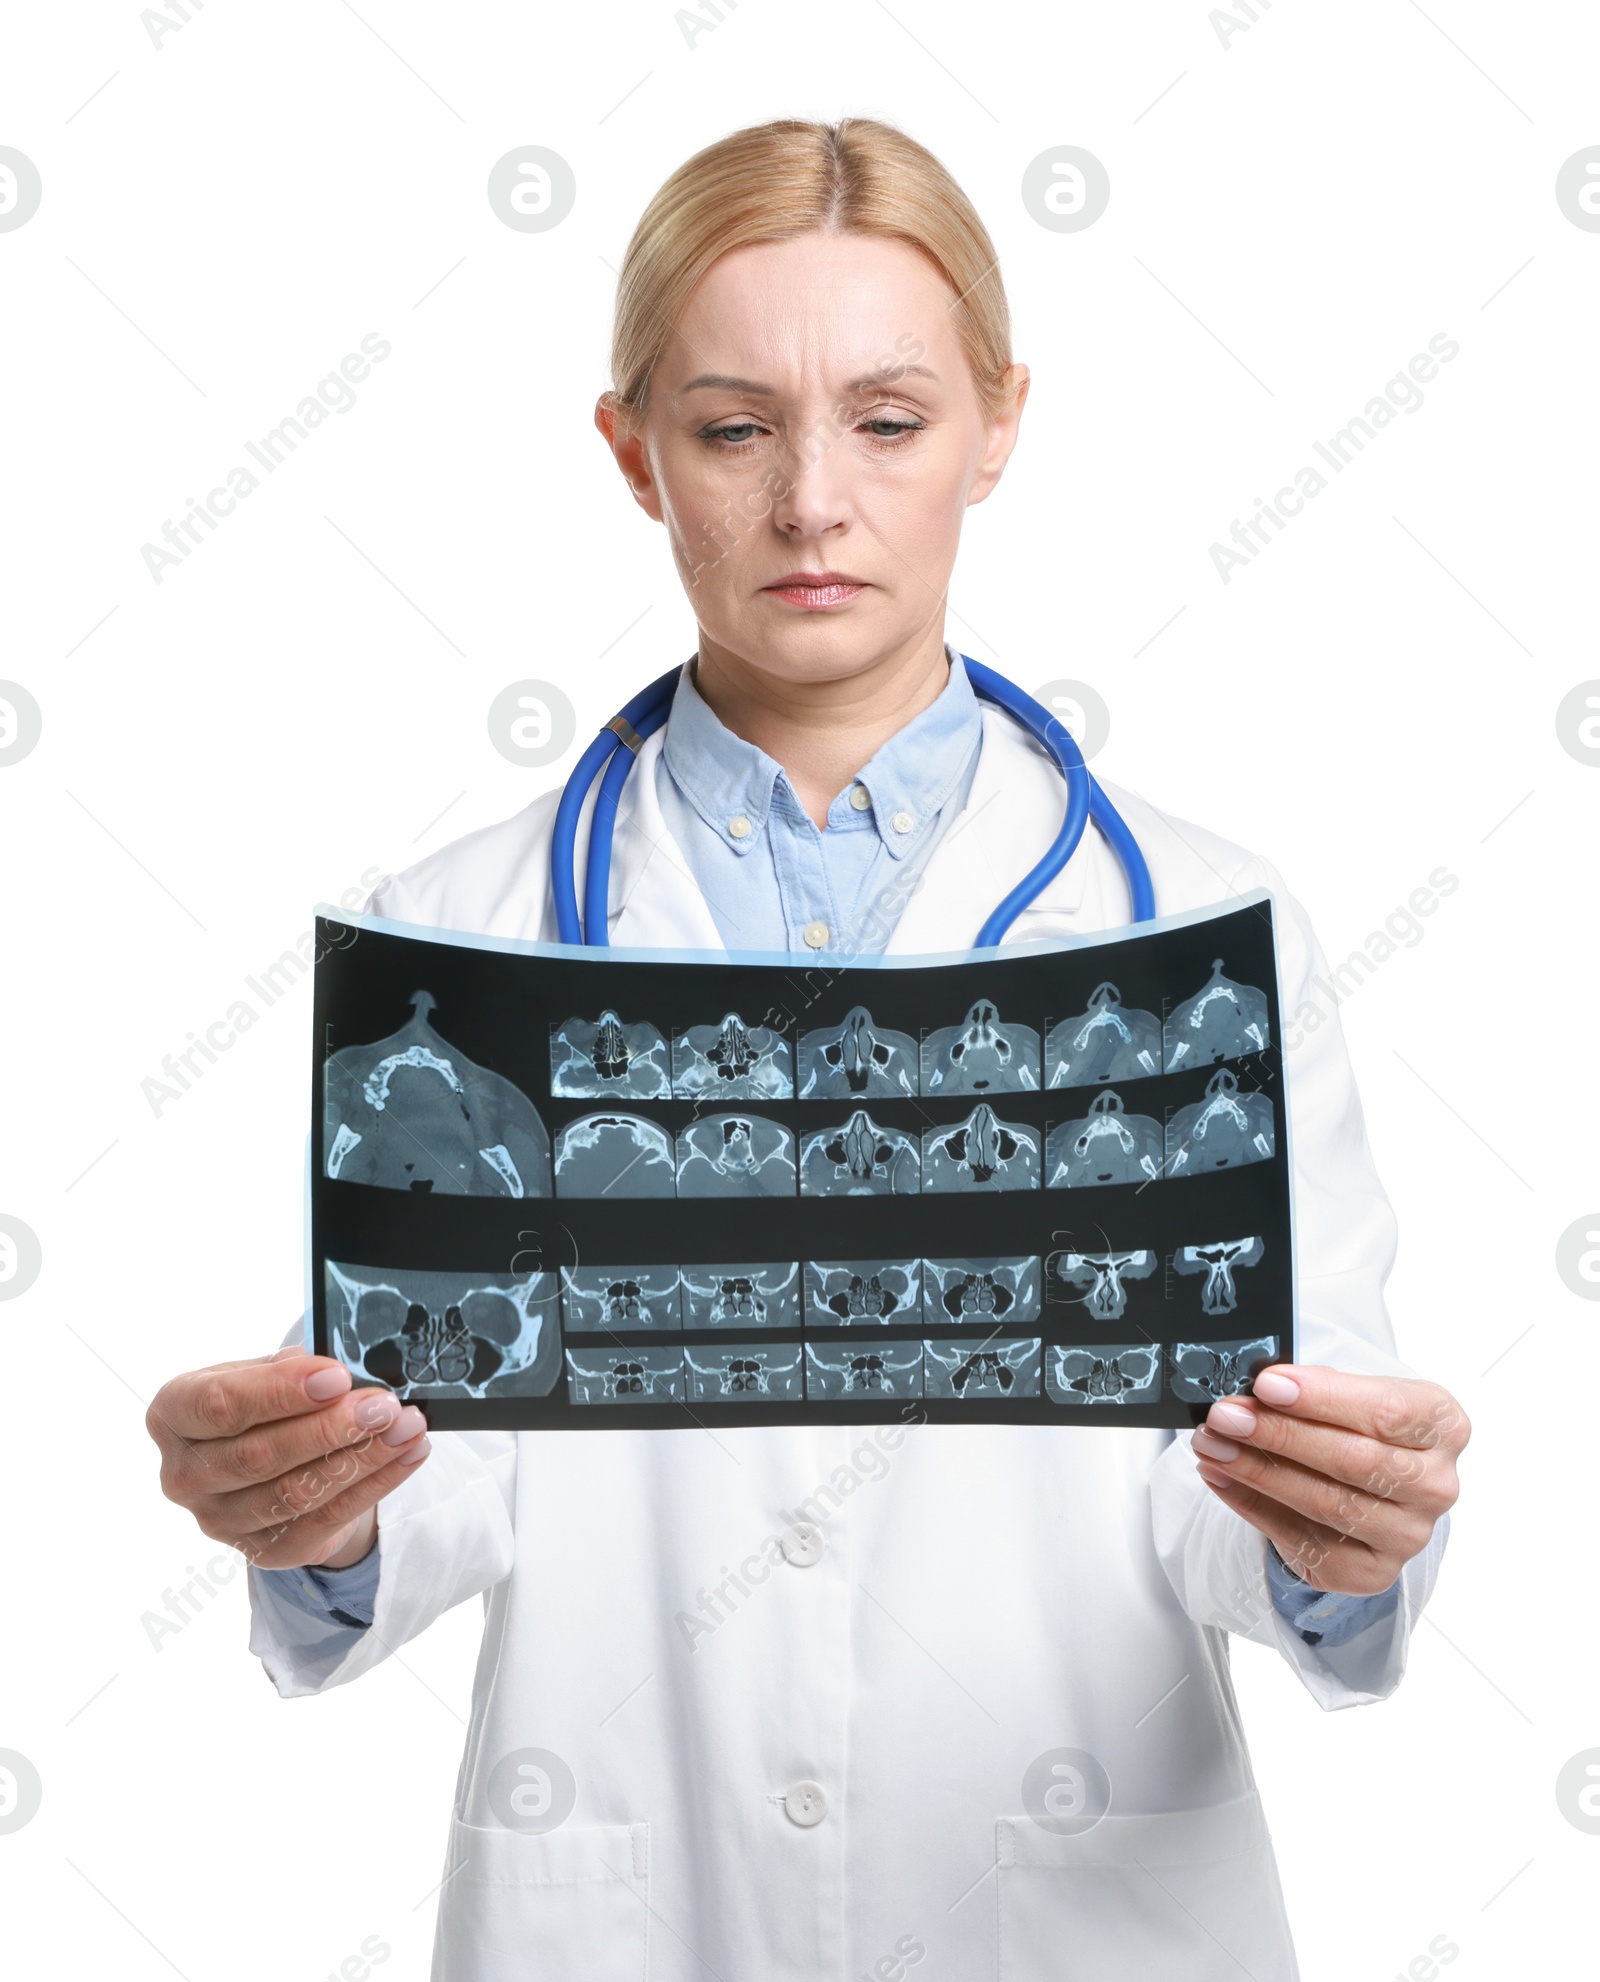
(568, 1905)
(1190, 1893)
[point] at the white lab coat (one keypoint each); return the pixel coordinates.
(985, 1593)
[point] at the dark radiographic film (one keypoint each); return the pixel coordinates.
(569, 1189)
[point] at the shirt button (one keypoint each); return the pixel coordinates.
(803, 1543)
(805, 1803)
(739, 826)
(902, 822)
(860, 798)
(816, 934)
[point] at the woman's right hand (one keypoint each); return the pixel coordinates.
(282, 1459)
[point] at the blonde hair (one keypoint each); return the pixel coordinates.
(774, 181)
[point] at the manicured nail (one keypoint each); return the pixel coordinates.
(1273, 1387)
(1215, 1448)
(327, 1383)
(416, 1457)
(382, 1409)
(405, 1427)
(1212, 1475)
(1234, 1419)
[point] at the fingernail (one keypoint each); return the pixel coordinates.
(1231, 1418)
(415, 1458)
(1215, 1448)
(379, 1410)
(1212, 1475)
(405, 1427)
(1273, 1387)
(327, 1383)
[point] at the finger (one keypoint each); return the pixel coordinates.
(1400, 1473)
(1395, 1410)
(225, 1400)
(310, 1489)
(313, 1537)
(1347, 1510)
(213, 1468)
(1317, 1555)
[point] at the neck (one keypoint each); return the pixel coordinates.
(823, 732)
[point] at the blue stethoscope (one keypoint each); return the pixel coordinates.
(620, 741)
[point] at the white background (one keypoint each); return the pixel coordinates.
(1373, 697)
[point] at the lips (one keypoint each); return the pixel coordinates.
(816, 588)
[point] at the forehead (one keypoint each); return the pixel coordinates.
(826, 307)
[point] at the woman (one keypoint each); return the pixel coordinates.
(805, 1702)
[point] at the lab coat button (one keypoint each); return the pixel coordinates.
(805, 1803)
(739, 826)
(902, 822)
(803, 1544)
(816, 934)
(860, 798)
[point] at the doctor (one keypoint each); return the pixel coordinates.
(808, 1705)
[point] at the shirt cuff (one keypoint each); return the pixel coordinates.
(347, 1596)
(1324, 1618)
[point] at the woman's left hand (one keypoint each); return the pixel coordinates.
(1346, 1475)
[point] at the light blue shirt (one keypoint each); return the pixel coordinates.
(770, 875)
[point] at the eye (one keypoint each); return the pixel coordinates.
(732, 435)
(891, 433)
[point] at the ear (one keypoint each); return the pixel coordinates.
(1002, 433)
(623, 436)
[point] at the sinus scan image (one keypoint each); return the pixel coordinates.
(1218, 1262)
(1223, 1132)
(857, 1158)
(445, 1334)
(1106, 1146)
(1204, 1371)
(1101, 1280)
(760, 1296)
(615, 1156)
(624, 1376)
(1109, 1041)
(849, 1369)
(617, 1297)
(603, 1059)
(980, 1291)
(732, 1060)
(746, 1370)
(981, 1056)
(1222, 1021)
(982, 1153)
(848, 1292)
(413, 1113)
(856, 1058)
(963, 1368)
(735, 1156)
(1103, 1373)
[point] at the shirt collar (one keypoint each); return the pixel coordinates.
(730, 782)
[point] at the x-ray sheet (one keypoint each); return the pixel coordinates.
(574, 1189)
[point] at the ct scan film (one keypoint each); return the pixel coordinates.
(565, 1188)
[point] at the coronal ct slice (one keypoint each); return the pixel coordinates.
(762, 1296)
(856, 1058)
(1107, 1146)
(863, 1291)
(1103, 1373)
(857, 1158)
(1223, 1132)
(1103, 1278)
(1107, 1042)
(1218, 1262)
(445, 1334)
(735, 1156)
(625, 1376)
(604, 1058)
(980, 1154)
(981, 1056)
(1202, 1371)
(988, 1369)
(617, 1156)
(746, 1370)
(1221, 1022)
(616, 1297)
(744, 1063)
(980, 1290)
(413, 1113)
(842, 1369)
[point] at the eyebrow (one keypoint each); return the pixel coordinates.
(723, 382)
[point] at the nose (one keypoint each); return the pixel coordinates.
(816, 496)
